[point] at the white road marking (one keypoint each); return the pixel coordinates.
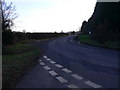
(46, 68)
(52, 62)
(40, 60)
(48, 59)
(93, 84)
(66, 70)
(61, 79)
(45, 56)
(77, 77)
(42, 63)
(72, 86)
(53, 73)
(58, 65)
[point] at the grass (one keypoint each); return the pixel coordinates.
(17, 59)
(17, 48)
(109, 44)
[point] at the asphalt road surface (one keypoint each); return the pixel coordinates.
(70, 64)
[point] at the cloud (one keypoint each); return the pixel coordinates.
(67, 15)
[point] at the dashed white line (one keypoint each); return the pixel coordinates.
(66, 70)
(48, 59)
(40, 60)
(42, 63)
(52, 62)
(61, 79)
(72, 86)
(45, 56)
(77, 77)
(53, 73)
(46, 68)
(58, 65)
(93, 84)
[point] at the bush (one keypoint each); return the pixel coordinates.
(8, 38)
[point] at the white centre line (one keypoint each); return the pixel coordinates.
(61, 79)
(48, 59)
(72, 86)
(93, 84)
(42, 63)
(53, 73)
(77, 77)
(52, 62)
(58, 65)
(66, 70)
(45, 56)
(46, 68)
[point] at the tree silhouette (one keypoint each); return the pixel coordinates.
(84, 29)
(8, 15)
(104, 24)
(73, 32)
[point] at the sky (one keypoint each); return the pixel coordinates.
(51, 15)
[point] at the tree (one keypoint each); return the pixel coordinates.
(84, 26)
(73, 32)
(55, 32)
(8, 15)
(104, 24)
(61, 31)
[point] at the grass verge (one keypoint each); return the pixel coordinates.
(109, 44)
(16, 60)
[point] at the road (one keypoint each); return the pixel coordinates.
(68, 64)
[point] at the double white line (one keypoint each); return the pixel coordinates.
(63, 80)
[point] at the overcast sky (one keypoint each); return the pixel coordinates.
(52, 15)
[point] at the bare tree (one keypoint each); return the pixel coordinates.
(8, 15)
(0, 16)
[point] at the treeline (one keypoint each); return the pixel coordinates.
(104, 24)
(9, 37)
